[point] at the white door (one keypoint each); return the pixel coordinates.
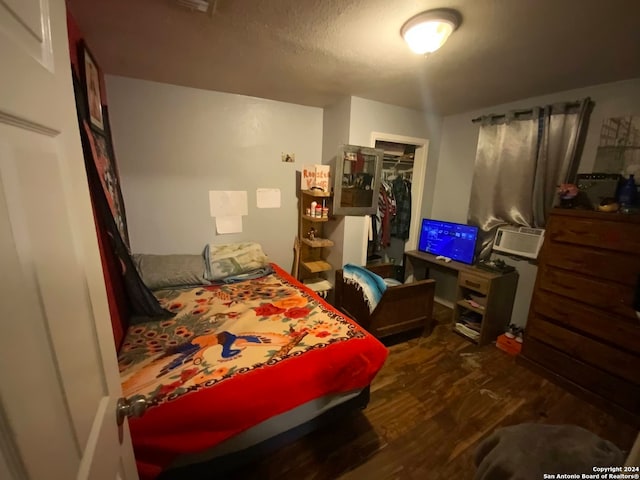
(58, 374)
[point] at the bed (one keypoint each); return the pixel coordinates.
(236, 365)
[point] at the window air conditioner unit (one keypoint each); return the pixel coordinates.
(522, 241)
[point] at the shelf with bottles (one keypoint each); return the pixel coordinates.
(314, 206)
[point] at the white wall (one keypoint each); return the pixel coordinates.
(458, 150)
(335, 131)
(174, 144)
(368, 116)
(358, 118)
(335, 128)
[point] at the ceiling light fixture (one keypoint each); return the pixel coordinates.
(427, 31)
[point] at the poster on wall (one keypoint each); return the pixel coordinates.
(619, 146)
(103, 160)
(91, 79)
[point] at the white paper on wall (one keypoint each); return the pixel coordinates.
(268, 197)
(227, 203)
(231, 224)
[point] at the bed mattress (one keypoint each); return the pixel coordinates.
(234, 356)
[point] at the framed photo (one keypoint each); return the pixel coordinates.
(91, 79)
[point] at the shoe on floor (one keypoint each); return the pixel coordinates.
(512, 331)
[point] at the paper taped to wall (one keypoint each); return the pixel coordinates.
(226, 203)
(268, 197)
(226, 225)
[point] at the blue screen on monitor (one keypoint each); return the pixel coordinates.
(453, 240)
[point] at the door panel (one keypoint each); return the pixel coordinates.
(35, 188)
(26, 51)
(25, 383)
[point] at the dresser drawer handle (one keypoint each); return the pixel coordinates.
(472, 284)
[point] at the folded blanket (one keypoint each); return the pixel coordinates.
(233, 259)
(372, 285)
(250, 275)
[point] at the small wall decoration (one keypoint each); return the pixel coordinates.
(619, 147)
(91, 79)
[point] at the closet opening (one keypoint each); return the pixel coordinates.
(395, 227)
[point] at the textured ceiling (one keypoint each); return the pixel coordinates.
(313, 52)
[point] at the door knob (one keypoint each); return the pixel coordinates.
(130, 407)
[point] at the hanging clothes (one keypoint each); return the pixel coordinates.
(401, 223)
(386, 211)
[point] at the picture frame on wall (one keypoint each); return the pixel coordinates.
(91, 83)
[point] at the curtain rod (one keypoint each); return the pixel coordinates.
(516, 113)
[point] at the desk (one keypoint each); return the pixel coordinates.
(493, 292)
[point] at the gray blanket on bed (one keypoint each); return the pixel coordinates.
(528, 451)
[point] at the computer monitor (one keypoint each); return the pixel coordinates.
(456, 241)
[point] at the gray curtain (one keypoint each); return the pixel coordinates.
(562, 130)
(521, 159)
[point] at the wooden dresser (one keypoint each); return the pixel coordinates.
(582, 330)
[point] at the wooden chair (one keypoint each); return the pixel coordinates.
(402, 308)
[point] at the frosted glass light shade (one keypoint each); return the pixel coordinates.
(427, 31)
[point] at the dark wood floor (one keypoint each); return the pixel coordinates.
(435, 398)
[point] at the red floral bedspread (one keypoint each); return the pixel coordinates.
(233, 356)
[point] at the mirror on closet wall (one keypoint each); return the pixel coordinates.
(357, 180)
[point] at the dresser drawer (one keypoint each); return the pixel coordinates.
(594, 232)
(474, 282)
(604, 357)
(608, 387)
(605, 264)
(624, 333)
(608, 296)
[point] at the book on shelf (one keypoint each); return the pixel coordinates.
(464, 329)
(475, 326)
(469, 316)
